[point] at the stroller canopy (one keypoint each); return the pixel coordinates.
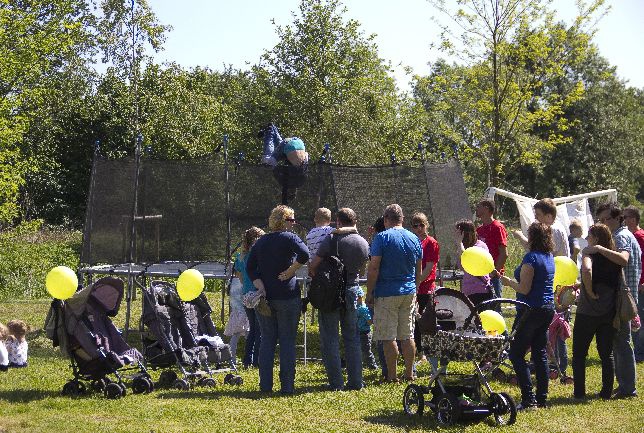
(104, 295)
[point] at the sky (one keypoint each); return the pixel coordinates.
(218, 33)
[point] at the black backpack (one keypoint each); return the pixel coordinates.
(327, 287)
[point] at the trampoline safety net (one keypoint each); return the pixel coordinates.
(182, 212)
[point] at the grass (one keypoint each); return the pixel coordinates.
(30, 400)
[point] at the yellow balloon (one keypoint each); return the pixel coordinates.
(190, 284)
(61, 282)
(493, 323)
(476, 261)
(566, 271)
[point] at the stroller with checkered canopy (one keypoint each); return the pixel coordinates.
(459, 337)
(82, 328)
(180, 338)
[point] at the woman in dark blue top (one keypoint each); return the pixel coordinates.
(534, 286)
(272, 263)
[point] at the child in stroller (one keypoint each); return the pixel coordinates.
(457, 335)
(81, 326)
(180, 335)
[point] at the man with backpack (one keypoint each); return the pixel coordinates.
(338, 281)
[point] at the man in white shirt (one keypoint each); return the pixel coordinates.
(545, 212)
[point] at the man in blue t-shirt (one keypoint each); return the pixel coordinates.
(394, 274)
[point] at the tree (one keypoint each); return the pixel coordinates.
(38, 39)
(510, 50)
(325, 82)
(605, 139)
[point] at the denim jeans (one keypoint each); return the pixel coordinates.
(368, 359)
(280, 326)
(561, 354)
(624, 360)
(347, 320)
(272, 145)
(587, 327)
(638, 337)
(498, 286)
(253, 339)
(532, 327)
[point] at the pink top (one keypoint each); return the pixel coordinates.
(471, 284)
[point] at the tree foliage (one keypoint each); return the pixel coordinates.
(489, 105)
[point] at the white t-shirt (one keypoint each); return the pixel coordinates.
(560, 238)
(17, 351)
(4, 356)
(315, 237)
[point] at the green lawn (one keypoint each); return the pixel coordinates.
(30, 400)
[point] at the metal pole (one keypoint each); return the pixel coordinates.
(228, 226)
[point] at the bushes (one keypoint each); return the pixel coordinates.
(28, 252)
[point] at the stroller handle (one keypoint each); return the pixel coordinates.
(483, 305)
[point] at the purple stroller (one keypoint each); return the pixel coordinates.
(82, 327)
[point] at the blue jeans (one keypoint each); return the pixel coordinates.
(280, 326)
(498, 287)
(638, 337)
(367, 354)
(272, 145)
(532, 328)
(253, 339)
(561, 355)
(624, 360)
(347, 320)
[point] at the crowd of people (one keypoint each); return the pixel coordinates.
(400, 267)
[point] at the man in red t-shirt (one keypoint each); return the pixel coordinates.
(493, 233)
(431, 253)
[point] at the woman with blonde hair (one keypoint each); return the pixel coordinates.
(273, 261)
(595, 312)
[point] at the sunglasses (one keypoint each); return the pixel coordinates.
(291, 220)
(418, 225)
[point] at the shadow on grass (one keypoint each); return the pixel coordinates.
(225, 392)
(399, 420)
(27, 395)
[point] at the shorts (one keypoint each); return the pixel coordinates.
(394, 318)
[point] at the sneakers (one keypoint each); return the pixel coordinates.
(620, 395)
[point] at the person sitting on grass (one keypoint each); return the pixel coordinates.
(16, 343)
(4, 355)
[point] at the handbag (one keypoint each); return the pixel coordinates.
(625, 305)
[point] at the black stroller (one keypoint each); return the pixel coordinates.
(169, 331)
(459, 337)
(81, 326)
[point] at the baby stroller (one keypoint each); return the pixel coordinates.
(81, 326)
(459, 337)
(169, 329)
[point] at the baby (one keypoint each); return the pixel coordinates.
(16, 343)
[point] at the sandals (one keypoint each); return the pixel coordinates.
(410, 378)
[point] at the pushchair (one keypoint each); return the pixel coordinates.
(169, 329)
(459, 337)
(82, 328)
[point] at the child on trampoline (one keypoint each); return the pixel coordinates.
(275, 148)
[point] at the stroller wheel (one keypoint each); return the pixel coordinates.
(413, 400)
(141, 385)
(99, 385)
(503, 408)
(238, 380)
(181, 385)
(229, 379)
(448, 409)
(113, 391)
(167, 378)
(209, 382)
(73, 388)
